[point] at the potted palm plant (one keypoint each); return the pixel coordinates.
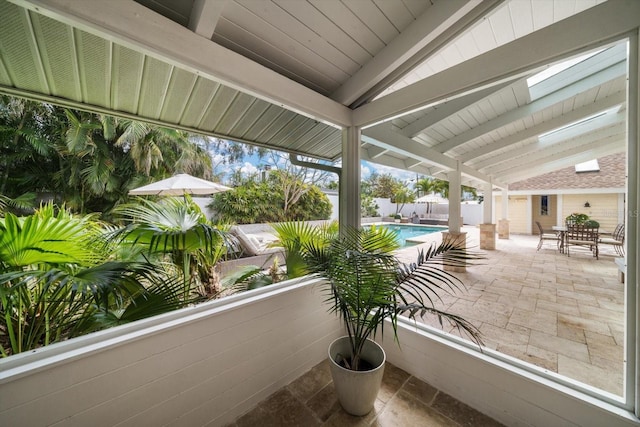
(367, 286)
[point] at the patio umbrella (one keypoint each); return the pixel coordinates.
(179, 185)
(432, 198)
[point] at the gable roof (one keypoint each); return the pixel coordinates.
(611, 175)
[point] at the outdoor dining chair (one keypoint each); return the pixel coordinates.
(547, 235)
(580, 235)
(616, 239)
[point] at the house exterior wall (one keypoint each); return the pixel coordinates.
(604, 208)
(518, 215)
(547, 221)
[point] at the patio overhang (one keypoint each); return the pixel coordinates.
(430, 88)
(185, 70)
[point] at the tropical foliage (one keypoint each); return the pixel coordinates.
(87, 161)
(262, 201)
(63, 275)
(176, 231)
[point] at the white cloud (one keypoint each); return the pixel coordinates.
(248, 168)
(365, 171)
(402, 175)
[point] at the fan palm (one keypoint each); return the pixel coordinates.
(175, 228)
(53, 273)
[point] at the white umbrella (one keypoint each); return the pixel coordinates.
(432, 198)
(179, 185)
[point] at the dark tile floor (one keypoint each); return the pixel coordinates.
(403, 401)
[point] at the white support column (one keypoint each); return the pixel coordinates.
(632, 386)
(505, 204)
(455, 193)
(454, 234)
(503, 223)
(349, 210)
(559, 208)
(621, 208)
(487, 228)
(529, 229)
(487, 201)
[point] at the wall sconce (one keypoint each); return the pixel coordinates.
(587, 205)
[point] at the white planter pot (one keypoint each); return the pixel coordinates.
(357, 390)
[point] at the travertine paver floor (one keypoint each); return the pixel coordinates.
(563, 314)
(403, 401)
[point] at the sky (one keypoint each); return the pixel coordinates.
(251, 165)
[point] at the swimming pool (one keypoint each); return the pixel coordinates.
(407, 232)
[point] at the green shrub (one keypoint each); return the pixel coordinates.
(576, 218)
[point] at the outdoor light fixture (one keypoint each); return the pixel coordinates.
(587, 205)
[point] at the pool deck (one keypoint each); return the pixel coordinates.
(559, 314)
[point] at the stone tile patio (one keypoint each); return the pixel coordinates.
(403, 401)
(563, 314)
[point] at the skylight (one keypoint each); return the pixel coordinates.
(590, 166)
(580, 122)
(557, 68)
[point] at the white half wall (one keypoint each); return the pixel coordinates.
(511, 395)
(206, 364)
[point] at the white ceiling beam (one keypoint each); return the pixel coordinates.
(613, 124)
(556, 97)
(436, 21)
(472, 173)
(204, 16)
(566, 160)
(446, 109)
(567, 148)
(137, 27)
(394, 162)
(593, 27)
(384, 137)
(375, 152)
(588, 110)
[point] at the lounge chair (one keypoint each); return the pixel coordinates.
(581, 236)
(252, 245)
(547, 236)
(616, 239)
(253, 251)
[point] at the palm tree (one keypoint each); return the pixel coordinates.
(175, 230)
(402, 196)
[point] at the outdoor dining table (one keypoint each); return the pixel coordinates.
(561, 230)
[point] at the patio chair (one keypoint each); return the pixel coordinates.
(251, 244)
(616, 240)
(581, 236)
(547, 236)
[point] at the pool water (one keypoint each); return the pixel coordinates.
(405, 231)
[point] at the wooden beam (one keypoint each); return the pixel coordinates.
(547, 126)
(382, 136)
(562, 144)
(613, 72)
(594, 27)
(568, 159)
(607, 141)
(437, 20)
(204, 16)
(449, 108)
(132, 25)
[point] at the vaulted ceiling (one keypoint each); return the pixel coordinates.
(435, 85)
